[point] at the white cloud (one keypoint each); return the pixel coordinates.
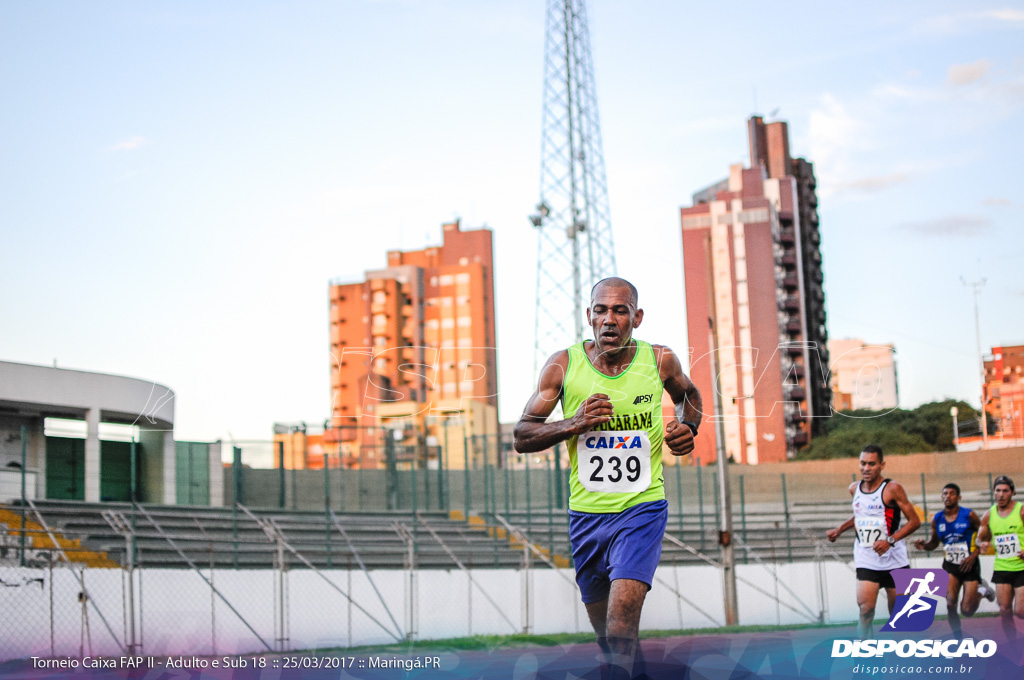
(832, 133)
(958, 23)
(997, 201)
(872, 184)
(965, 74)
(130, 144)
(1008, 15)
(953, 225)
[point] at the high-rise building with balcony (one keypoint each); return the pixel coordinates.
(753, 265)
(420, 331)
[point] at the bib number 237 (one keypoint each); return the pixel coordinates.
(616, 462)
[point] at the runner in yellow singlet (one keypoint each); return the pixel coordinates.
(1003, 525)
(611, 389)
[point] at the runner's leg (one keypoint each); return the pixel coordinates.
(890, 598)
(972, 598)
(1018, 604)
(952, 595)
(1004, 597)
(598, 614)
(625, 601)
(867, 596)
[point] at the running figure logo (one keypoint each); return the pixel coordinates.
(915, 608)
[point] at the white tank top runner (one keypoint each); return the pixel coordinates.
(873, 521)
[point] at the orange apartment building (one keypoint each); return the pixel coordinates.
(1004, 389)
(420, 331)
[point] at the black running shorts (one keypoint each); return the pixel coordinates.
(882, 578)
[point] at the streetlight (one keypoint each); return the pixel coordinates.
(976, 285)
(956, 432)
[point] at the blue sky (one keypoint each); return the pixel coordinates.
(180, 181)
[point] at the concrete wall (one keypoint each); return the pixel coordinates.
(151, 462)
(10, 485)
(78, 390)
(177, 615)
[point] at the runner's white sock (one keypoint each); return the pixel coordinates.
(987, 591)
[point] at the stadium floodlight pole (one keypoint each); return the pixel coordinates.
(575, 248)
(724, 495)
(976, 285)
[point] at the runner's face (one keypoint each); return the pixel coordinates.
(870, 468)
(613, 316)
(1003, 495)
(951, 499)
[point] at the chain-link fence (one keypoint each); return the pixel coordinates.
(334, 557)
(79, 611)
(492, 480)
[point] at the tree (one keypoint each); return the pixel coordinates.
(929, 427)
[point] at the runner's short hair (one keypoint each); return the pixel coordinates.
(954, 487)
(616, 281)
(871, 448)
(1003, 479)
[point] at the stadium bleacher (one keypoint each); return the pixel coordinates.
(247, 538)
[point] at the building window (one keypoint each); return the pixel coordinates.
(753, 216)
(696, 221)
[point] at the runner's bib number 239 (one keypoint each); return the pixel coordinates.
(616, 462)
(1007, 545)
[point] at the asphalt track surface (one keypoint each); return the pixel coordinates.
(783, 655)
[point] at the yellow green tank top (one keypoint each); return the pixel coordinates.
(618, 464)
(1007, 537)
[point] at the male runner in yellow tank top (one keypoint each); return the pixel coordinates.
(1003, 525)
(611, 390)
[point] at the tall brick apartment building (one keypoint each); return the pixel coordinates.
(420, 331)
(753, 239)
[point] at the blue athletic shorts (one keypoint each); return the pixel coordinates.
(608, 546)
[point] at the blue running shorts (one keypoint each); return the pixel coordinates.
(608, 546)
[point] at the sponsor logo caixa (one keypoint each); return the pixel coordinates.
(914, 611)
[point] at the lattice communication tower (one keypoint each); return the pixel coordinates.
(574, 234)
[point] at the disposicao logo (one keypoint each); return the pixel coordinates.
(913, 612)
(915, 608)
